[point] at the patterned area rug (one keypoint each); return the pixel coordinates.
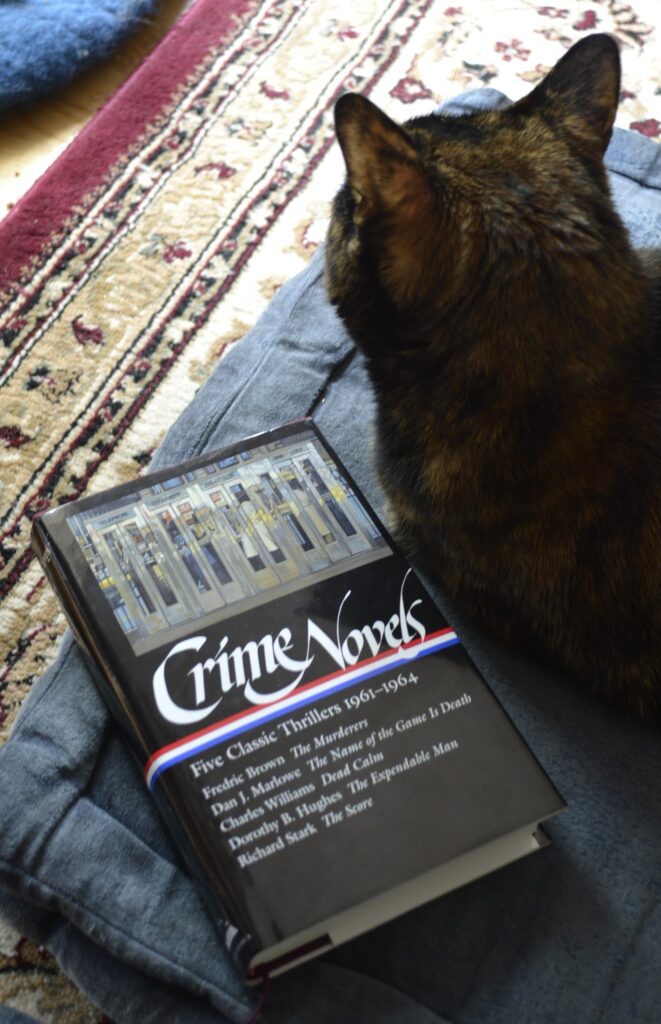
(158, 238)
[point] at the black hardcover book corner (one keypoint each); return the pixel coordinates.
(321, 746)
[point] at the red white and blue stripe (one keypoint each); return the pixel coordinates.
(221, 732)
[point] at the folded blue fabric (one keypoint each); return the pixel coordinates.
(571, 934)
(44, 45)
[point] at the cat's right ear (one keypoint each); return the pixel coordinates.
(383, 167)
(581, 93)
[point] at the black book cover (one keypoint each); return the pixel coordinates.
(321, 746)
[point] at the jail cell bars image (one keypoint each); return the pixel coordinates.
(246, 525)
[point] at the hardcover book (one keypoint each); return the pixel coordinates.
(319, 743)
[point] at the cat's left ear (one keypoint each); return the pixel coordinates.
(383, 167)
(581, 93)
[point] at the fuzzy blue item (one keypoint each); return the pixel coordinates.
(45, 43)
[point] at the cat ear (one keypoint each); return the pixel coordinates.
(383, 167)
(581, 92)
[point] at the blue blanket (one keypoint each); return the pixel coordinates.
(43, 45)
(572, 934)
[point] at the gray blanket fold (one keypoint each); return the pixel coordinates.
(87, 869)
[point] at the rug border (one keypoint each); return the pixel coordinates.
(42, 214)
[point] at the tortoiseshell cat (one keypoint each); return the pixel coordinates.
(513, 339)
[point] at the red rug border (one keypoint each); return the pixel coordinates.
(43, 213)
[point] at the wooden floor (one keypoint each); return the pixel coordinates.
(33, 135)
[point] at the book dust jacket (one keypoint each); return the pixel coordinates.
(311, 727)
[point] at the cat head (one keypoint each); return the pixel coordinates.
(442, 206)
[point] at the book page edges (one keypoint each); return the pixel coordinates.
(397, 901)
